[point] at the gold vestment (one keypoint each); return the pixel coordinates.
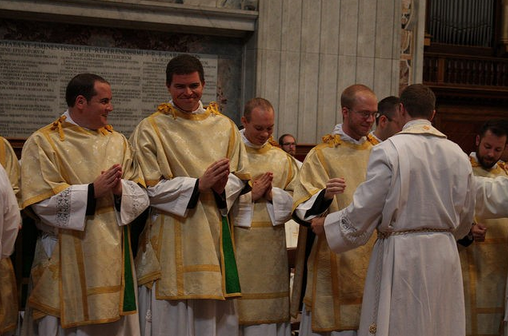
(84, 280)
(261, 249)
(484, 270)
(184, 255)
(335, 282)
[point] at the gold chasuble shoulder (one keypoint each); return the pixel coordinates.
(484, 270)
(335, 282)
(172, 144)
(83, 281)
(261, 249)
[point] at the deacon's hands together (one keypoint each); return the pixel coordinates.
(215, 177)
(109, 181)
(262, 186)
(334, 186)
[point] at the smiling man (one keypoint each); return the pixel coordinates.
(334, 283)
(81, 180)
(260, 241)
(192, 158)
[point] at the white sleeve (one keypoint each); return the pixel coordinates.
(243, 210)
(303, 207)
(134, 202)
(10, 216)
(233, 190)
(173, 195)
(65, 210)
(280, 208)
(491, 197)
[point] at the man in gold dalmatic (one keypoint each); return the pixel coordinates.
(484, 264)
(260, 241)
(334, 283)
(8, 290)
(81, 180)
(193, 160)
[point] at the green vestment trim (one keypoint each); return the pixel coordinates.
(129, 297)
(232, 280)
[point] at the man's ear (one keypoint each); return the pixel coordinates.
(433, 115)
(477, 140)
(80, 101)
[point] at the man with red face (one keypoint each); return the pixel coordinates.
(260, 241)
(82, 182)
(334, 283)
(483, 263)
(193, 161)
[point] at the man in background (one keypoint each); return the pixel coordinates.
(388, 120)
(288, 144)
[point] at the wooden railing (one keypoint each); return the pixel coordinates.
(470, 71)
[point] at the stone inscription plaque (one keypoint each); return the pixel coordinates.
(33, 77)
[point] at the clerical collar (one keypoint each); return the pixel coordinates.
(199, 110)
(248, 143)
(69, 119)
(343, 136)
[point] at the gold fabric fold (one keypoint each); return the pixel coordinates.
(8, 299)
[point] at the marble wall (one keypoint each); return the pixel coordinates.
(304, 53)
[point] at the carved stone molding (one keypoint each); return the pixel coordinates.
(152, 15)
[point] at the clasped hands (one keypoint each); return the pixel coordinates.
(262, 187)
(215, 177)
(109, 180)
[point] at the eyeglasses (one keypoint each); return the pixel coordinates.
(365, 114)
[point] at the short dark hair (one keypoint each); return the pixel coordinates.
(387, 107)
(82, 85)
(498, 127)
(418, 100)
(281, 138)
(254, 103)
(183, 65)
